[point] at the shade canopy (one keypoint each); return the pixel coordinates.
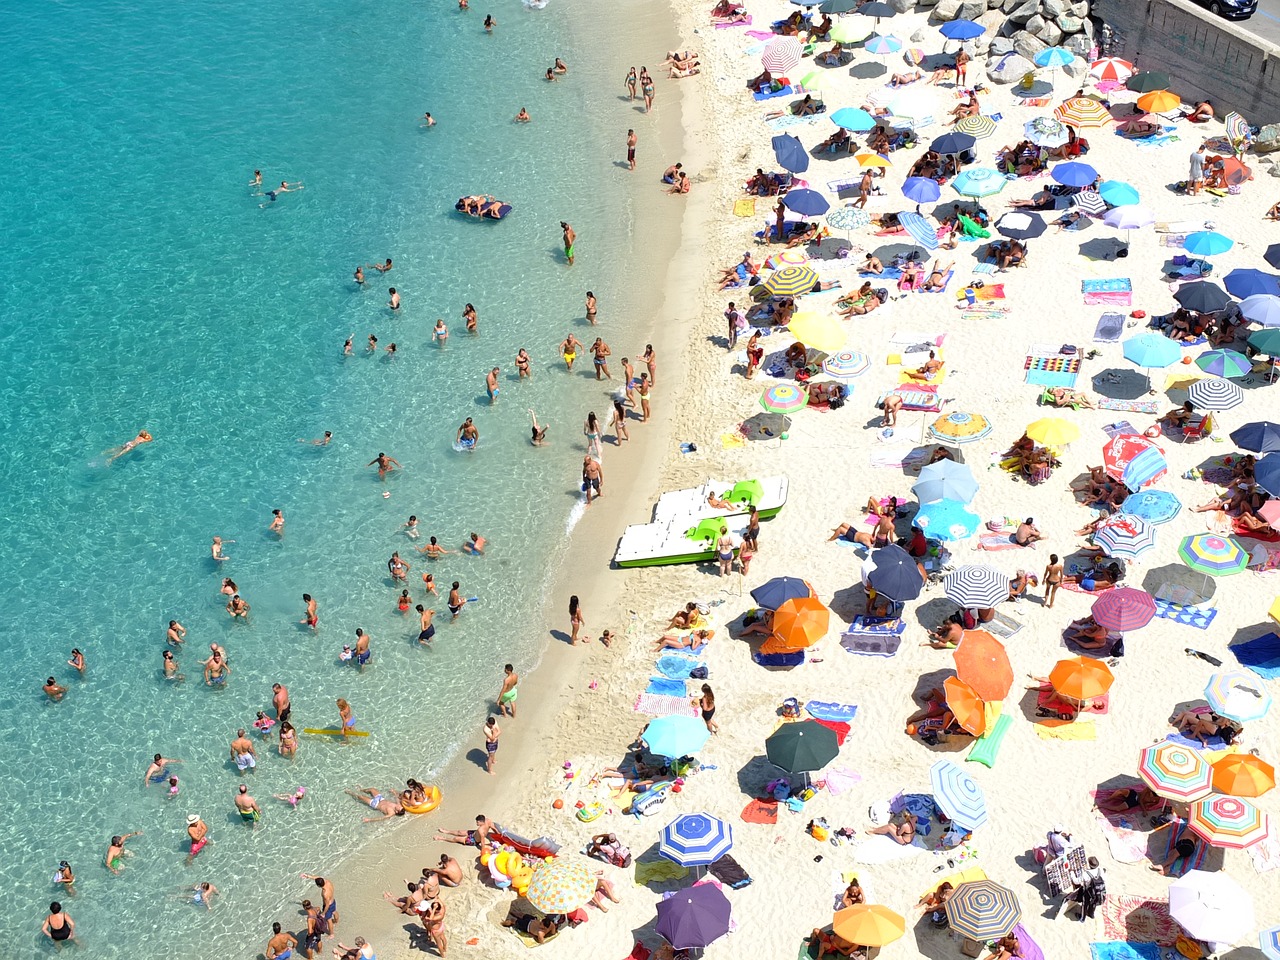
(1081, 678)
(869, 924)
(695, 839)
(1210, 906)
(802, 747)
(675, 736)
(1124, 609)
(945, 480)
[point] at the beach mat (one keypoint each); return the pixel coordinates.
(666, 687)
(1125, 842)
(778, 659)
(871, 644)
(985, 749)
(661, 870)
(1028, 949)
(838, 727)
(1002, 626)
(1176, 831)
(528, 940)
(1213, 743)
(1049, 700)
(1138, 920)
(1066, 730)
(1120, 428)
(1184, 614)
(729, 872)
(760, 811)
(841, 780)
(677, 666)
(997, 541)
(1126, 406)
(1124, 951)
(1116, 291)
(744, 207)
(829, 710)
(1261, 655)
(664, 706)
(1109, 328)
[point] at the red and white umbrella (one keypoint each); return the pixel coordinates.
(781, 54)
(1111, 68)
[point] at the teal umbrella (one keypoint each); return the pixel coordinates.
(675, 736)
(1224, 363)
(979, 182)
(1149, 350)
(1207, 243)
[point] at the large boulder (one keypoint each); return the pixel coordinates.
(1022, 12)
(1008, 69)
(991, 20)
(902, 6)
(972, 9)
(946, 10)
(1054, 8)
(1028, 46)
(1008, 6)
(1268, 139)
(999, 47)
(995, 4)
(1069, 25)
(1080, 9)
(1078, 44)
(1077, 68)
(1034, 24)
(1049, 33)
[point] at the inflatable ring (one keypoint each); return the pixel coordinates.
(1152, 431)
(432, 801)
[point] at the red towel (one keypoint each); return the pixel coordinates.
(638, 952)
(1243, 531)
(761, 811)
(839, 726)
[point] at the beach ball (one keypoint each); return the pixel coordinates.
(558, 804)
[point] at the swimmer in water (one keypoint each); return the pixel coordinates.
(229, 587)
(346, 348)
(397, 567)
(216, 548)
(523, 116)
(292, 798)
(309, 619)
(158, 770)
(391, 352)
(475, 545)
(539, 431)
(428, 120)
(359, 276)
(411, 528)
(115, 452)
(171, 668)
(426, 631)
(440, 333)
(456, 600)
(285, 187)
(176, 635)
(468, 435)
(491, 385)
(77, 660)
(489, 23)
(238, 608)
(116, 851)
(522, 364)
(394, 302)
(257, 182)
(53, 690)
(471, 317)
(277, 523)
(385, 465)
(429, 583)
(560, 66)
(372, 346)
(328, 434)
(201, 894)
(434, 550)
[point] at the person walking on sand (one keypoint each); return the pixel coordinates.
(570, 238)
(592, 478)
(1052, 579)
(707, 704)
(631, 149)
(491, 734)
(507, 695)
(569, 348)
(576, 620)
(631, 82)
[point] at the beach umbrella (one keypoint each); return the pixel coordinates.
(815, 80)
(958, 795)
(1129, 217)
(1266, 341)
(807, 203)
(953, 143)
(1039, 89)
(1054, 57)
(1135, 461)
(1159, 101)
(960, 427)
(965, 705)
(882, 46)
(783, 398)
(1213, 393)
(868, 924)
(895, 574)
(945, 480)
(1243, 775)
(1052, 431)
(947, 520)
(1090, 202)
(1238, 131)
(1123, 536)
(818, 330)
(848, 218)
(846, 364)
(694, 840)
(781, 54)
(850, 31)
(1246, 282)
(918, 229)
(983, 910)
(1111, 69)
(877, 9)
(978, 182)
(694, 917)
(921, 190)
(1261, 308)
(1153, 506)
(976, 585)
(1046, 132)
(1210, 906)
(1124, 609)
(1074, 174)
(1238, 695)
(791, 155)
(979, 127)
(1175, 771)
(983, 663)
(791, 281)
(802, 747)
(1117, 193)
(561, 884)
(911, 103)
(1213, 555)
(854, 118)
(876, 160)
(1021, 226)
(1266, 473)
(1269, 941)
(800, 622)
(1149, 350)
(1081, 112)
(774, 593)
(837, 6)
(675, 736)
(1081, 678)
(1147, 81)
(1207, 243)
(961, 30)
(1224, 363)
(1258, 437)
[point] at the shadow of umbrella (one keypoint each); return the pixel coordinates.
(1101, 248)
(1038, 89)
(1120, 384)
(868, 69)
(766, 426)
(890, 250)
(830, 248)
(1178, 575)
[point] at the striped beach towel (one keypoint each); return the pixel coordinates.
(656, 705)
(1109, 290)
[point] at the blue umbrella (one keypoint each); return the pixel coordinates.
(919, 229)
(1202, 296)
(807, 203)
(1258, 437)
(676, 736)
(894, 574)
(854, 118)
(882, 45)
(695, 839)
(1074, 174)
(953, 143)
(1153, 506)
(1247, 282)
(779, 590)
(921, 189)
(694, 917)
(1118, 193)
(962, 30)
(1267, 473)
(1054, 57)
(945, 480)
(1207, 243)
(790, 153)
(947, 520)
(958, 795)
(1263, 308)
(1152, 350)
(979, 182)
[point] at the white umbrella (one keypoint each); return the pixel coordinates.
(1211, 906)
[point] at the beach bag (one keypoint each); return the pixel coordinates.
(699, 673)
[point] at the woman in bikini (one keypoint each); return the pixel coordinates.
(576, 620)
(522, 364)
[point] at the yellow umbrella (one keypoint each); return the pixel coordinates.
(817, 330)
(868, 924)
(1053, 431)
(1158, 101)
(1243, 775)
(1275, 610)
(871, 160)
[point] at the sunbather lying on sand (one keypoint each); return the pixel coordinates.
(698, 638)
(938, 276)
(830, 943)
(1203, 724)
(881, 535)
(1130, 798)
(1064, 397)
(1087, 633)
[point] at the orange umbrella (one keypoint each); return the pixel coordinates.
(800, 622)
(983, 663)
(970, 712)
(1158, 101)
(1243, 775)
(1080, 678)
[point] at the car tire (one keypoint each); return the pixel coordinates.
(1215, 9)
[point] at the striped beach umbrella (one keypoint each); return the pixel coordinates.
(1153, 506)
(783, 398)
(1213, 555)
(1214, 393)
(1091, 202)
(976, 585)
(792, 281)
(1083, 112)
(983, 663)
(1118, 193)
(979, 127)
(561, 884)
(1243, 775)
(979, 182)
(1269, 941)
(1224, 363)
(1238, 695)
(1124, 609)
(882, 45)
(695, 839)
(846, 364)
(1124, 536)
(1135, 461)
(1111, 69)
(913, 55)
(960, 427)
(983, 910)
(945, 480)
(1174, 771)
(958, 796)
(919, 229)
(781, 54)
(947, 520)
(869, 924)
(1229, 822)
(1081, 678)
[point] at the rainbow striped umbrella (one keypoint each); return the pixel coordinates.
(1083, 112)
(1237, 131)
(783, 398)
(960, 427)
(561, 885)
(1229, 822)
(1174, 771)
(1238, 695)
(983, 910)
(1124, 609)
(846, 364)
(1213, 555)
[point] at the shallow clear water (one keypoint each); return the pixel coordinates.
(146, 288)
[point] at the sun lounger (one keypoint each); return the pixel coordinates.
(985, 749)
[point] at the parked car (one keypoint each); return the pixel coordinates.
(1231, 9)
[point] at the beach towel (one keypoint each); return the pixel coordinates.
(638, 952)
(760, 810)
(1182, 226)
(997, 541)
(896, 455)
(745, 207)
(666, 687)
(732, 441)
(1266, 855)
(1185, 614)
(1176, 831)
(839, 727)
(1264, 559)
(1213, 743)
(1261, 655)
(1002, 626)
(1056, 371)
(1125, 842)
(677, 666)
(880, 849)
(740, 23)
(945, 280)
(1126, 406)
(919, 396)
(1047, 699)
(985, 749)
(1138, 920)
(983, 312)
(1242, 531)
(1066, 730)
(786, 91)
(829, 710)
(528, 941)
(1109, 328)
(1173, 239)
(777, 660)
(841, 780)
(877, 626)
(1028, 949)
(904, 377)
(1112, 290)
(729, 872)
(1072, 586)
(871, 644)
(789, 121)
(992, 291)
(913, 342)
(1124, 951)
(661, 870)
(664, 706)
(1119, 428)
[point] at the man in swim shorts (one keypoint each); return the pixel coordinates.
(600, 357)
(456, 600)
(362, 651)
(328, 904)
(491, 385)
(115, 852)
(592, 477)
(385, 464)
(569, 236)
(491, 734)
(247, 807)
(281, 944)
(280, 698)
(479, 837)
(158, 769)
(569, 347)
(198, 834)
(428, 629)
(216, 671)
(507, 695)
(468, 435)
(54, 690)
(385, 805)
(631, 149)
(242, 752)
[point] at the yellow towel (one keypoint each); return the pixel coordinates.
(938, 377)
(955, 879)
(746, 207)
(1066, 730)
(732, 441)
(528, 941)
(1213, 756)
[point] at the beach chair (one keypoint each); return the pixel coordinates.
(1197, 428)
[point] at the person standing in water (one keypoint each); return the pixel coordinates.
(570, 238)
(358, 276)
(491, 385)
(630, 83)
(471, 317)
(468, 435)
(385, 465)
(569, 348)
(310, 618)
(591, 308)
(277, 523)
(77, 660)
(58, 927)
(426, 630)
(456, 601)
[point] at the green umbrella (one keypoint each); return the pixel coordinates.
(1266, 341)
(801, 747)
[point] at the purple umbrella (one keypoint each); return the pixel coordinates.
(694, 917)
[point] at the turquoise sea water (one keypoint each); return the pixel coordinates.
(145, 288)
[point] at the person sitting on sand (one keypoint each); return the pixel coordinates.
(940, 452)
(860, 304)
(873, 264)
(1027, 533)
(763, 624)
(936, 901)
(685, 619)
(806, 107)
(808, 235)
(820, 393)
(693, 641)
(1179, 416)
(853, 894)
(902, 79)
(1202, 113)
(840, 140)
(1007, 948)
(682, 184)
(970, 108)
(740, 272)
(946, 636)
(1273, 212)
(824, 943)
(1125, 799)
(928, 370)
(1087, 633)
(1018, 585)
(832, 57)
(902, 832)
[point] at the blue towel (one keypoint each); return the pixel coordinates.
(1215, 743)
(1261, 655)
(785, 91)
(677, 666)
(890, 273)
(836, 712)
(1123, 950)
(666, 687)
(1180, 613)
(877, 626)
(779, 659)
(1108, 285)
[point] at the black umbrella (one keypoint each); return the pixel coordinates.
(1147, 82)
(877, 9)
(895, 574)
(1202, 296)
(953, 143)
(1021, 226)
(801, 747)
(1272, 256)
